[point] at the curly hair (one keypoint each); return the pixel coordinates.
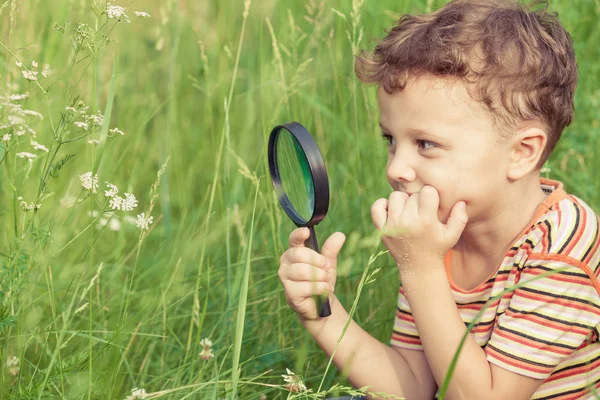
(519, 62)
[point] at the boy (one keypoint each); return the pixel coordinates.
(473, 99)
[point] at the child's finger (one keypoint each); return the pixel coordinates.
(332, 246)
(298, 236)
(379, 213)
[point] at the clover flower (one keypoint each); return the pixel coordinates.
(144, 222)
(206, 343)
(88, 182)
(294, 382)
(12, 362)
(137, 394)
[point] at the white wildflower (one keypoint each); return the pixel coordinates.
(34, 113)
(46, 72)
(29, 75)
(16, 97)
(19, 64)
(137, 394)
(14, 120)
(94, 141)
(88, 182)
(26, 155)
(31, 131)
(38, 146)
(114, 131)
(82, 125)
(72, 109)
(129, 203)
(206, 343)
(294, 382)
(142, 14)
(115, 202)
(118, 13)
(113, 190)
(20, 131)
(34, 64)
(97, 119)
(114, 224)
(83, 109)
(27, 207)
(143, 223)
(12, 362)
(6, 137)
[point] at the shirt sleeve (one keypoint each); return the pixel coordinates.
(553, 312)
(405, 333)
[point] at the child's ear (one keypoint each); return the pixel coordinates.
(527, 147)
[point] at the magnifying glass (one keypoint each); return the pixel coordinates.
(300, 181)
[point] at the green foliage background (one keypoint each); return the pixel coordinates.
(217, 224)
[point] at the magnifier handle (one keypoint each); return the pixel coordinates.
(322, 300)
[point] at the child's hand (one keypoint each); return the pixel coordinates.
(413, 232)
(305, 273)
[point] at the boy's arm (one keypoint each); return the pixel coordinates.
(367, 361)
(441, 329)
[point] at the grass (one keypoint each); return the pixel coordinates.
(92, 313)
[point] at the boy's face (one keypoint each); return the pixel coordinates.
(459, 156)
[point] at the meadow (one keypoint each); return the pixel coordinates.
(164, 285)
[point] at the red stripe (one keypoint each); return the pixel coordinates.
(404, 339)
(560, 326)
(575, 371)
(530, 343)
(514, 363)
(558, 300)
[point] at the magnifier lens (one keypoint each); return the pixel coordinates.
(295, 175)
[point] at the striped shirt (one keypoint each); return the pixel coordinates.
(546, 326)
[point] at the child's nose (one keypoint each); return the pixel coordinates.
(399, 169)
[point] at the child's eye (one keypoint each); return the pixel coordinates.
(391, 141)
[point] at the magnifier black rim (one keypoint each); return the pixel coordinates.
(317, 171)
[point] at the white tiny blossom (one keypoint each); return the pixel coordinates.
(38, 146)
(97, 119)
(294, 382)
(83, 125)
(46, 72)
(28, 207)
(94, 141)
(14, 120)
(88, 182)
(114, 131)
(31, 131)
(29, 75)
(142, 14)
(144, 223)
(19, 132)
(34, 64)
(206, 353)
(19, 64)
(137, 394)
(83, 109)
(113, 190)
(12, 362)
(72, 109)
(16, 97)
(6, 137)
(129, 203)
(26, 155)
(114, 224)
(34, 113)
(118, 13)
